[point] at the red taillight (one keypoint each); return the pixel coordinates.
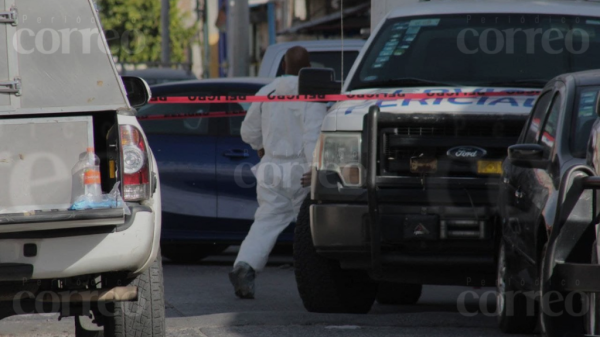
(136, 169)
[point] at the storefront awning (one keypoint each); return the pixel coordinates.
(359, 15)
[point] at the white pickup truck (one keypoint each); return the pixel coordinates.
(60, 94)
(404, 192)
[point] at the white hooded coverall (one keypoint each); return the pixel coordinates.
(288, 132)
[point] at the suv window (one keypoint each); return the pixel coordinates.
(503, 50)
(329, 59)
(584, 118)
(550, 126)
(539, 113)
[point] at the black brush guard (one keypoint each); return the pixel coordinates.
(379, 260)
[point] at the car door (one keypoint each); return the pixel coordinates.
(236, 182)
(516, 188)
(185, 150)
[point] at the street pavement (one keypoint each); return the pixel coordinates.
(200, 302)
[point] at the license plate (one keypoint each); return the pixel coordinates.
(489, 167)
(423, 165)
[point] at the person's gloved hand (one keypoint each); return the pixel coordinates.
(306, 178)
(261, 153)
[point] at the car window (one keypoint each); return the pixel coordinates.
(330, 59)
(551, 126)
(177, 118)
(235, 122)
(539, 112)
(584, 118)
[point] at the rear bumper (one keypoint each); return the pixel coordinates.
(62, 257)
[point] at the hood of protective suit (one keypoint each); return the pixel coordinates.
(286, 85)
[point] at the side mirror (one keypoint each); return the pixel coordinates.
(318, 81)
(527, 156)
(138, 91)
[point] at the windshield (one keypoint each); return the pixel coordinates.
(501, 50)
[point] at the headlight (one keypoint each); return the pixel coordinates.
(341, 153)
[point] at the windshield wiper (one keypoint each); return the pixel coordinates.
(402, 82)
(529, 83)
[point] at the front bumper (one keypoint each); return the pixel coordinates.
(342, 232)
(346, 228)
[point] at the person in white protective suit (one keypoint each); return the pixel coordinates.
(287, 132)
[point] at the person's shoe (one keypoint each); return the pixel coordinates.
(242, 278)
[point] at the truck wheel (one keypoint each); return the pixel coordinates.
(190, 253)
(144, 317)
(323, 285)
(391, 293)
(514, 316)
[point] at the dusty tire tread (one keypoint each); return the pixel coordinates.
(150, 321)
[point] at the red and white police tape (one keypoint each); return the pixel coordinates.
(312, 98)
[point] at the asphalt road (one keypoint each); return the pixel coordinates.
(200, 302)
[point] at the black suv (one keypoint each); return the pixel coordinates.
(548, 208)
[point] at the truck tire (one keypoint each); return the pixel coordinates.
(512, 305)
(144, 317)
(391, 293)
(323, 285)
(190, 253)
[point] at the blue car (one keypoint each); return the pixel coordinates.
(208, 189)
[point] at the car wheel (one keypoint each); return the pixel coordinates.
(398, 293)
(323, 285)
(144, 317)
(592, 317)
(190, 253)
(516, 311)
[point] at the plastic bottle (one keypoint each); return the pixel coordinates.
(86, 178)
(91, 177)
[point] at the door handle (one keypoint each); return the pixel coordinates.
(236, 153)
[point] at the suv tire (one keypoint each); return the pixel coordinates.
(144, 317)
(323, 285)
(391, 293)
(512, 305)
